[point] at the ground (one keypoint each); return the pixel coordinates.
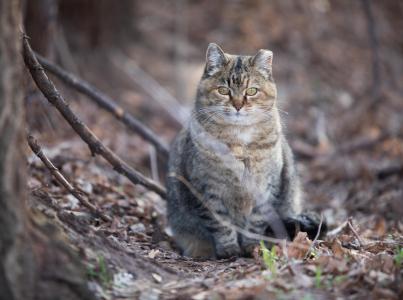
(356, 185)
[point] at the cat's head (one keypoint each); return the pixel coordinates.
(236, 89)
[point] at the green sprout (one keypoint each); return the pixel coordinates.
(269, 257)
(339, 279)
(99, 272)
(318, 277)
(399, 257)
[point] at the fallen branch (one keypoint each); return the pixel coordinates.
(36, 148)
(106, 103)
(52, 95)
(357, 236)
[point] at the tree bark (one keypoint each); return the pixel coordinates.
(35, 262)
(15, 256)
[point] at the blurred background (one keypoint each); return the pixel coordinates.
(337, 64)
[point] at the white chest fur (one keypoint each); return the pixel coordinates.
(245, 135)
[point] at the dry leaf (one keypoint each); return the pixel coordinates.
(332, 265)
(337, 249)
(380, 227)
(299, 246)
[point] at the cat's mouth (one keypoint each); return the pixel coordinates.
(237, 114)
(238, 117)
(243, 117)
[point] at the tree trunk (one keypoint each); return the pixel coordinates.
(34, 264)
(41, 25)
(15, 256)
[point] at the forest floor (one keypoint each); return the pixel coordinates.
(357, 185)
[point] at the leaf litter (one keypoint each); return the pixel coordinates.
(363, 256)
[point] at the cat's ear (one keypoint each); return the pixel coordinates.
(215, 59)
(263, 61)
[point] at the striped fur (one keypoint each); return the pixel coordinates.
(237, 162)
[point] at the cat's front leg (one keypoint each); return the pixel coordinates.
(254, 232)
(218, 222)
(226, 241)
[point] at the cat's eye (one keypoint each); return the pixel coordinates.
(251, 91)
(223, 90)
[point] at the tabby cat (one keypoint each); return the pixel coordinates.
(231, 169)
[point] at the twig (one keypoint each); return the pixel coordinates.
(337, 230)
(153, 163)
(107, 103)
(36, 148)
(350, 225)
(52, 95)
(315, 239)
(153, 88)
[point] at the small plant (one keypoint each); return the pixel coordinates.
(339, 279)
(269, 257)
(399, 257)
(318, 277)
(100, 272)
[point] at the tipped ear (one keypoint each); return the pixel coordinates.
(263, 62)
(215, 59)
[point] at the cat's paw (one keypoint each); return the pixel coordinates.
(226, 251)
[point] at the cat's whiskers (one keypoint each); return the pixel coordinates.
(206, 115)
(206, 119)
(281, 111)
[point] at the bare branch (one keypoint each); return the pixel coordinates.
(52, 95)
(36, 148)
(107, 103)
(157, 92)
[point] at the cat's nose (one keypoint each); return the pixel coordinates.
(238, 105)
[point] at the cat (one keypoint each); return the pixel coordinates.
(231, 170)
